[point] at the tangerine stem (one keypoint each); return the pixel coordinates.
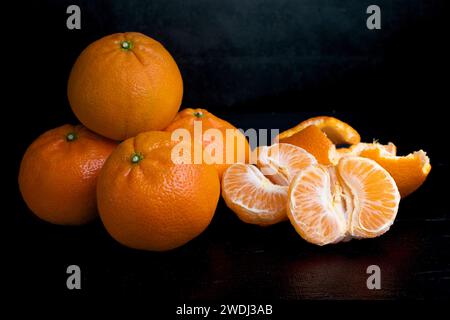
(136, 158)
(126, 45)
(71, 136)
(198, 114)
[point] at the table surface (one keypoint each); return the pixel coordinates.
(233, 260)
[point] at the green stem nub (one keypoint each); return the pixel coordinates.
(198, 114)
(126, 45)
(71, 136)
(136, 158)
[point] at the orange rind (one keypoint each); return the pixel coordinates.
(336, 130)
(316, 142)
(409, 172)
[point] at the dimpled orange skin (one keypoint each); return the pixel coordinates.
(154, 204)
(58, 177)
(119, 92)
(185, 119)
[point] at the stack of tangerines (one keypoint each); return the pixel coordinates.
(126, 90)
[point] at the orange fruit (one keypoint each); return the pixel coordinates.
(237, 147)
(146, 201)
(58, 174)
(355, 199)
(315, 141)
(253, 197)
(283, 162)
(124, 84)
(336, 130)
(409, 172)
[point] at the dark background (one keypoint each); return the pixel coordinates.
(259, 64)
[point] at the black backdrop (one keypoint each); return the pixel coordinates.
(255, 56)
(263, 64)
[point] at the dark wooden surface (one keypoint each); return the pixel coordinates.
(236, 261)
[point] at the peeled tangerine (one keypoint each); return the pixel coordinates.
(258, 194)
(355, 199)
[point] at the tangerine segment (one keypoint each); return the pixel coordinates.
(314, 207)
(374, 193)
(282, 162)
(409, 172)
(337, 131)
(253, 197)
(313, 140)
(358, 198)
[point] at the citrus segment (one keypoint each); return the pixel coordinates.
(375, 195)
(253, 197)
(282, 162)
(358, 199)
(313, 209)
